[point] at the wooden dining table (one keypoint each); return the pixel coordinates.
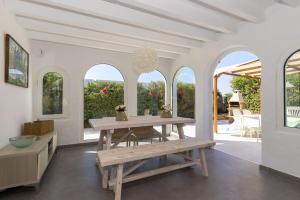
(106, 126)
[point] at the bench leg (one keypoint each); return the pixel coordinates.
(105, 177)
(118, 184)
(203, 162)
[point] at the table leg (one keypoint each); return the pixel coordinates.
(101, 140)
(105, 175)
(108, 139)
(164, 132)
(180, 131)
(118, 184)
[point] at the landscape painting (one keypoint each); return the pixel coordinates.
(16, 63)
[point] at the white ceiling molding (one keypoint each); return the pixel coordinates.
(183, 11)
(292, 3)
(36, 25)
(65, 39)
(106, 10)
(171, 27)
(248, 10)
(36, 11)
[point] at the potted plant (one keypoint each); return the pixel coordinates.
(166, 111)
(120, 113)
(147, 110)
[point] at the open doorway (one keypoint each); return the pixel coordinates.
(237, 111)
(183, 98)
(103, 91)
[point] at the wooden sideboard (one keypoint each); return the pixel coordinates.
(26, 166)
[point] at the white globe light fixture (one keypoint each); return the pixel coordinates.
(146, 60)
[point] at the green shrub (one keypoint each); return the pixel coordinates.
(250, 89)
(98, 103)
(186, 100)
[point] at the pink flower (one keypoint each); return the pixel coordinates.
(152, 94)
(104, 91)
(181, 93)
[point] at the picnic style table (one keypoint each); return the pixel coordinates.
(106, 126)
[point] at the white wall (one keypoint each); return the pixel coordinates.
(73, 62)
(272, 41)
(15, 102)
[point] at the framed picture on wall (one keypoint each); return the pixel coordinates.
(16, 63)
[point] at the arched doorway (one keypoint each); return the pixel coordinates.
(151, 90)
(103, 91)
(237, 119)
(183, 97)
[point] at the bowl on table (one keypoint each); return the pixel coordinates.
(22, 141)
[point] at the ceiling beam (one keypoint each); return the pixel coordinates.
(247, 10)
(292, 3)
(62, 39)
(177, 10)
(130, 17)
(36, 11)
(52, 27)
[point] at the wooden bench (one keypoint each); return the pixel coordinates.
(117, 158)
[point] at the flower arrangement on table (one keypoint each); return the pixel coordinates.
(120, 113)
(166, 111)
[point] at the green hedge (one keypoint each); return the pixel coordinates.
(150, 96)
(186, 100)
(97, 103)
(101, 97)
(293, 92)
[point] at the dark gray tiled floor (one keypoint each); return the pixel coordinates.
(73, 175)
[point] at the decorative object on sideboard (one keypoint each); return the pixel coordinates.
(16, 63)
(39, 127)
(166, 111)
(22, 141)
(146, 60)
(120, 113)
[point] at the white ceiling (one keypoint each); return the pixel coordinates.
(172, 27)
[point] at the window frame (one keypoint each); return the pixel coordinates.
(284, 91)
(40, 95)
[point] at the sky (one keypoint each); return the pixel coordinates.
(185, 74)
(108, 72)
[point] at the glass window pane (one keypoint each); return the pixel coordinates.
(292, 91)
(150, 93)
(52, 93)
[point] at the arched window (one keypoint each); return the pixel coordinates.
(184, 93)
(150, 93)
(103, 91)
(52, 94)
(292, 91)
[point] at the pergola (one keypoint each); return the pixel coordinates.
(250, 69)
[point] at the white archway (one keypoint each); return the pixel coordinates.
(183, 96)
(103, 91)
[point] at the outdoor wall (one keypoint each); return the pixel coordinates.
(73, 62)
(272, 41)
(15, 102)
